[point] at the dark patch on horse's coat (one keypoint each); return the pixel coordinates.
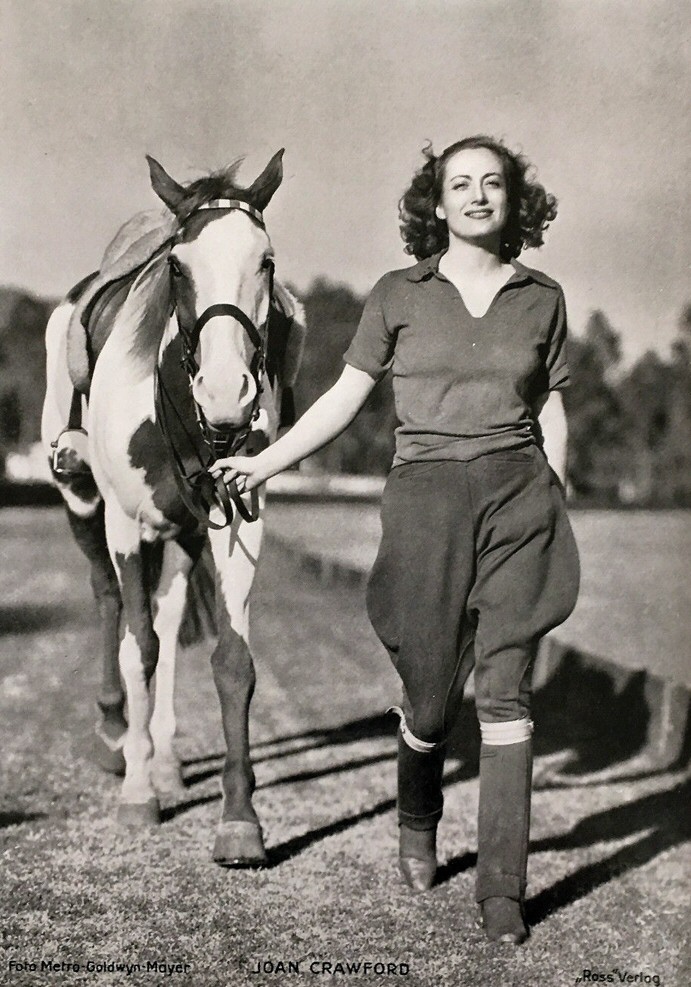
(140, 573)
(90, 534)
(147, 450)
(234, 676)
(81, 485)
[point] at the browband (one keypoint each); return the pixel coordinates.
(234, 204)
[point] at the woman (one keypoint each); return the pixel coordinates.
(477, 560)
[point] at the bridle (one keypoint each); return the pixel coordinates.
(198, 490)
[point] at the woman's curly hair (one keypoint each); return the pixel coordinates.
(531, 208)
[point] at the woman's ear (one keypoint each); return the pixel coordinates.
(439, 212)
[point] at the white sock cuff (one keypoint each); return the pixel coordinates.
(421, 746)
(509, 732)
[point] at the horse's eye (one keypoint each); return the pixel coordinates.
(267, 262)
(175, 268)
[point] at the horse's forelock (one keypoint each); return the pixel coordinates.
(217, 185)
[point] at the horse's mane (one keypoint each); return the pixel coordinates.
(147, 308)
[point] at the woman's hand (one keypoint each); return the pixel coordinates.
(249, 471)
(321, 423)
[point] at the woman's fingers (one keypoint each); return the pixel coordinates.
(230, 467)
(225, 471)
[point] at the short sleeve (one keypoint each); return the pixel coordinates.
(557, 366)
(372, 347)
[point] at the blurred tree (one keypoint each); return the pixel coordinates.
(333, 312)
(23, 321)
(594, 413)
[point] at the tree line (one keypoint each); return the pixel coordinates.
(629, 427)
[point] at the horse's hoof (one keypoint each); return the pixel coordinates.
(140, 815)
(108, 751)
(239, 844)
(167, 780)
(109, 760)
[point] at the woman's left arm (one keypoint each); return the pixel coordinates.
(552, 419)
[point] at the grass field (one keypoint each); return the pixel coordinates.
(609, 871)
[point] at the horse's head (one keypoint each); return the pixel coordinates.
(221, 266)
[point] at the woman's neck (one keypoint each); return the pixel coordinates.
(472, 258)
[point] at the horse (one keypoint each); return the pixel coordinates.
(200, 349)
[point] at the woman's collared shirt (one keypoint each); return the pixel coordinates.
(463, 386)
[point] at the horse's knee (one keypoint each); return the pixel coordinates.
(232, 664)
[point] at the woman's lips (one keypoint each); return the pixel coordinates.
(479, 213)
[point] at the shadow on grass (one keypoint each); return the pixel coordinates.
(282, 852)
(196, 778)
(8, 819)
(662, 818)
(591, 739)
(32, 618)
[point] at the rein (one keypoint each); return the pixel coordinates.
(199, 491)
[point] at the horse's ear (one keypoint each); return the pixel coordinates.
(263, 188)
(165, 187)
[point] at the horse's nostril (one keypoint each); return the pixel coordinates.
(245, 386)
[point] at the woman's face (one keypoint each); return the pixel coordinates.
(474, 199)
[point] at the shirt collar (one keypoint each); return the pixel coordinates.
(428, 266)
(424, 268)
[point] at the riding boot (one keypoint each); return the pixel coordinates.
(503, 829)
(420, 805)
(420, 798)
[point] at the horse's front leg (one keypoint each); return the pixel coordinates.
(169, 609)
(138, 658)
(239, 841)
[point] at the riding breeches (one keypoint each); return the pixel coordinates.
(477, 561)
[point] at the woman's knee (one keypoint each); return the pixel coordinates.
(503, 694)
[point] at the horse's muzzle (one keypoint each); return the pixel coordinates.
(226, 404)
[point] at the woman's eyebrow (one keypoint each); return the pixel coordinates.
(489, 174)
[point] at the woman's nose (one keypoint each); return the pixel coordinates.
(479, 194)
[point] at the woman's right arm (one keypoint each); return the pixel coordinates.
(322, 422)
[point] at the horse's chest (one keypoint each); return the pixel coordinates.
(151, 492)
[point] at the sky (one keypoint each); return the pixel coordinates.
(594, 92)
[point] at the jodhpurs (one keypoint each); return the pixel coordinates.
(477, 562)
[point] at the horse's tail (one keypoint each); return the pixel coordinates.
(199, 620)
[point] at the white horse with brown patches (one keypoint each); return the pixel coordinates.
(194, 365)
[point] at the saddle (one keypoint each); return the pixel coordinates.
(98, 297)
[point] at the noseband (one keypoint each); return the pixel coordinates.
(198, 489)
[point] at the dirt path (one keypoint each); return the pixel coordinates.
(609, 869)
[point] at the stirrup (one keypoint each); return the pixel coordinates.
(71, 453)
